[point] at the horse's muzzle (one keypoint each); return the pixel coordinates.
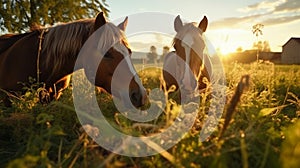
(138, 97)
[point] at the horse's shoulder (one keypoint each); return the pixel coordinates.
(169, 56)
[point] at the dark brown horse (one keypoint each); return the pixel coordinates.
(49, 55)
(188, 65)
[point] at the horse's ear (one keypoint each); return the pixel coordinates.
(203, 24)
(99, 21)
(123, 25)
(178, 23)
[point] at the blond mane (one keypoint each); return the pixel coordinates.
(63, 42)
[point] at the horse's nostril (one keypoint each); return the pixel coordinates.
(137, 97)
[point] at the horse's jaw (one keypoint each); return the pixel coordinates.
(124, 100)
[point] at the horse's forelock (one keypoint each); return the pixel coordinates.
(189, 28)
(109, 36)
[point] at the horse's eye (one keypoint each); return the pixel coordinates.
(108, 55)
(129, 50)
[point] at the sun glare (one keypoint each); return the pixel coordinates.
(228, 41)
(225, 50)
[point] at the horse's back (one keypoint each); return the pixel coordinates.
(17, 59)
(8, 40)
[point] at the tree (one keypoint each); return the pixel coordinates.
(262, 46)
(239, 49)
(267, 47)
(258, 45)
(257, 30)
(20, 15)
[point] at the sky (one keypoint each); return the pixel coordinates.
(230, 21)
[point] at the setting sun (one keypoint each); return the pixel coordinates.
(227, 49)
(229, 40)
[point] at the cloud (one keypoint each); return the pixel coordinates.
(269, 13)
(288, 6)
(140, 46)
(145, 46)
(280, 20)
(233, 22)
(264, 5)
(158, 37)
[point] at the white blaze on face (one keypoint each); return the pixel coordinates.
(187, 43)
(124, 51)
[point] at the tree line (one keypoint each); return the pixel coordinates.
(18, 16)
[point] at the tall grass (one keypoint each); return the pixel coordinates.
(263, 132)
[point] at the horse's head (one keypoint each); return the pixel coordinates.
(189, 45)
(115, 67)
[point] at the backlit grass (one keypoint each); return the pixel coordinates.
(263, 132)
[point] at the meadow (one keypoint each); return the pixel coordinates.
(263, 130)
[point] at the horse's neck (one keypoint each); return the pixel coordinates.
(60, 56)
(67, 69)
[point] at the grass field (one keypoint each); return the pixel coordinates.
(263, 132)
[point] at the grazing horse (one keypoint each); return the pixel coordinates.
(49, 55)
(188, 65)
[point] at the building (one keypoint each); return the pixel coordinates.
(249, 56)
(291, 51)
(138, 57)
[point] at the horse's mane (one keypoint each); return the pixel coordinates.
(13, 36)
(6, 36)
(64, 41)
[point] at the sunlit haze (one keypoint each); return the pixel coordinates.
(230, 21)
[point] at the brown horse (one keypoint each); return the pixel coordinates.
(188, 65)
(49, 55)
